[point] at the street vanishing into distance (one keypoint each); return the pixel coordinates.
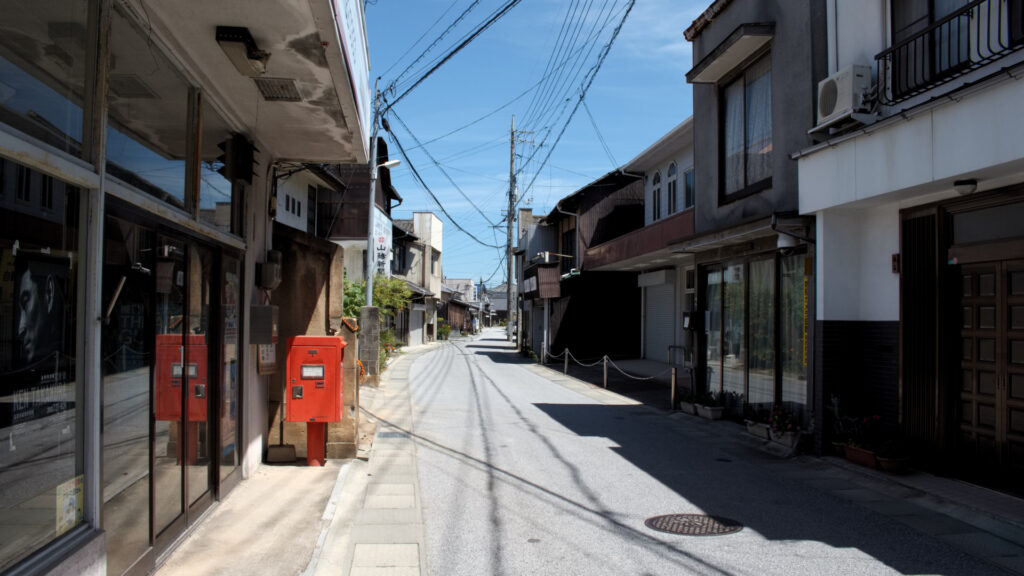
(524, 474)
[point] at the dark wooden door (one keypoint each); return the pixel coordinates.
(991, 438)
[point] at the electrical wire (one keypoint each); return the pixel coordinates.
(439, 167)
(419, 178)
(504, 10)
(592, 74)
(600, 137)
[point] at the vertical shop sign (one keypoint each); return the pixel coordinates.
(381, 243)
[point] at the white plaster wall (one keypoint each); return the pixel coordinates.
(838, 260)
(975, 137)
(684, 161)
(857, 31)
(879, 286)
(854, 263)
(255, 396)
(296, 187)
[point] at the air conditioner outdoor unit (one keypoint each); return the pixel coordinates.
(842, 94)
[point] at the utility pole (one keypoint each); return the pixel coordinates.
(510, 218)
(371, 207)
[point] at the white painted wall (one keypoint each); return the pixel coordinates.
(292, 192)
(684, 161)
(854, 261)
(978, 137)
(857, 32)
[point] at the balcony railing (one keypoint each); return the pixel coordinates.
(977, 34)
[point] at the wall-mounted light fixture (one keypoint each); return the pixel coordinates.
(965, 187)
(240, 47)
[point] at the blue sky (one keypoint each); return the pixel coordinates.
(637, 96)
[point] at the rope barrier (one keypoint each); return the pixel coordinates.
(584, 364)
(627, 375)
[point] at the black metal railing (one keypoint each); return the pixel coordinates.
(977, 34)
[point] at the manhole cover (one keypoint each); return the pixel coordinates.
(693, 524)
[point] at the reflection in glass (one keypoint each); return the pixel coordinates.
(714, 330)
(148, 115)
(793, 286)
(231, 300)
(200, 278)
(41, 478)
(762, 334)
(169, 277)
(214, 189)
(127, 361)
(733, 310)
(42, 70)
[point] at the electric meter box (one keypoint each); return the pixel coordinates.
(178, 365)
(314, 379)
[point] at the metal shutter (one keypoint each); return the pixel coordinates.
(659, 320)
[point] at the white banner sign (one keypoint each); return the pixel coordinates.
(381, 243)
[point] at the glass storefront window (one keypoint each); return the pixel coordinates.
(127, 359)
(793, 288)
(714, 330)
(215, 191)
(42, 70)
(229, 380)
(761, 379)
(147, 129)
(41, 460)
(734, 354)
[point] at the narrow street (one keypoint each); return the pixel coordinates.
(522, 475)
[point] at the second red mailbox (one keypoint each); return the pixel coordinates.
(315, 379)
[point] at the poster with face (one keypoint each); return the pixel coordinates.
(37, 383)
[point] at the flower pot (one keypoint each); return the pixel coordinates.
(710, 412)
(687, 407)
(861, 456)
(758, 430)
(839, 448)
(787, 439)
(893, 464)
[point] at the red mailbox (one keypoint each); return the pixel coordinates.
(174, 364)
(314, 388)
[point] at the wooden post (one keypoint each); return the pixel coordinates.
(566, 371)
(672, 397)
(605, 371)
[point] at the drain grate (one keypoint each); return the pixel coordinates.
(693, 524)
(392, 434)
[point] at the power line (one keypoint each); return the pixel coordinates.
(504, 10)
(436, 40)
(419, 178)
(439, 167)
(592, 74)
(600, 137)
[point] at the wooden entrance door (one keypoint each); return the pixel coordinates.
(992, 370)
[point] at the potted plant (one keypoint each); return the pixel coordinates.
(709, 406)
(757, 423)
(783, 427)
(893, 456)
(687, 399)
(860, 448)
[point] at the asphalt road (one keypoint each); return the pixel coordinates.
(522, 475)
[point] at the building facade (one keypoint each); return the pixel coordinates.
(138, 167)
(755, 69)
(917, 189)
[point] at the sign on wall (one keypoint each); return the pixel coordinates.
(381, 243)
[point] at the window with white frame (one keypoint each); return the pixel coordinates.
(747, 131)
(673, 203)
(656, 196)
